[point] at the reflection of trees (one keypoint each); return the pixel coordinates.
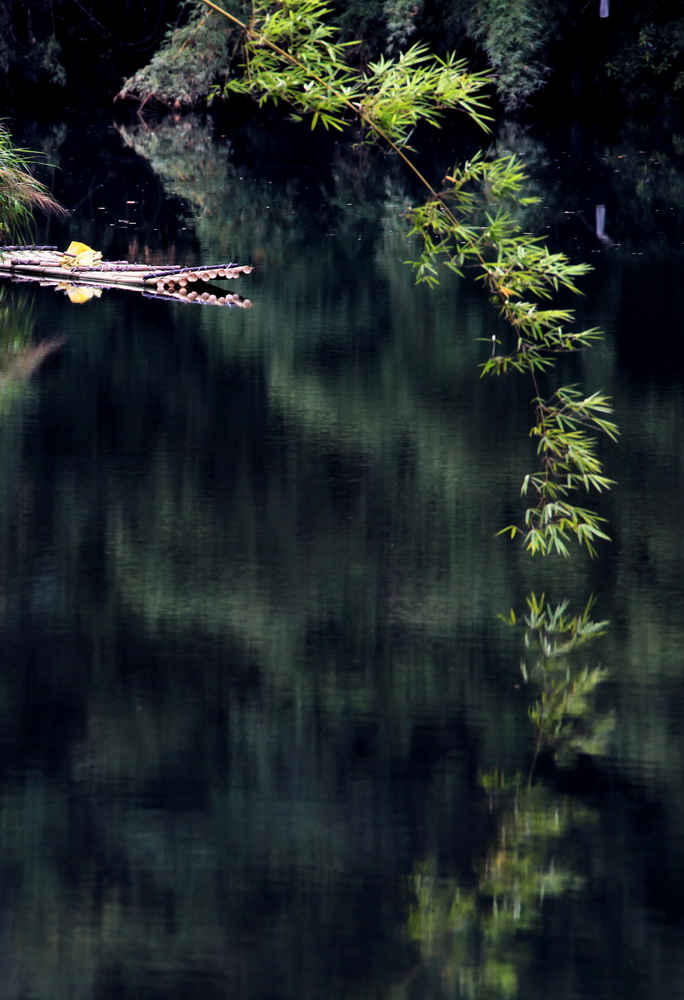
(20, 355)
(239, 204)
(251, 669)
(263, 661)
(246, 666)
(649, 524)
(228, 210)
(638, 179)
(278, 645)
(479, 934)
(250, 665)
(477, 940)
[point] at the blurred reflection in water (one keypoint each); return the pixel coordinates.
(251, 665)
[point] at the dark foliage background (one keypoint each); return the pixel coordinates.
(545, 54)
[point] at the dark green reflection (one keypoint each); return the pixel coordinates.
(20, 355)
(251, 665)
(481, 933)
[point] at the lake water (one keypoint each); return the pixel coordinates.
(252, 670)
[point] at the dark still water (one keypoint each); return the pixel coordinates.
(257, 702)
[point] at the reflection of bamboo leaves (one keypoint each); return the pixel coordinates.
(525, 864)
(474, 933)
(562, 712)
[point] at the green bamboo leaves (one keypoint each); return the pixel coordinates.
(568, 462)
(289, 52)
(468, 226)
(396, 94)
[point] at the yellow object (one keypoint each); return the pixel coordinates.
(79, 255)
(79, 295)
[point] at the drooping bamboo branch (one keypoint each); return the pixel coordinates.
(289, 54)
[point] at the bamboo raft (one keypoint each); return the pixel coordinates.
(52, 267)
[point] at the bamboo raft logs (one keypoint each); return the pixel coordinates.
(51, 266)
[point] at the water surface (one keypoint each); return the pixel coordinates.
(252, 669)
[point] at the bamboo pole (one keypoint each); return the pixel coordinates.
(131, 273)
(44, 264)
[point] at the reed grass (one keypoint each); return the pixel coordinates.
(21, 194)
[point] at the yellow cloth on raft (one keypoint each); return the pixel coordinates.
(79, 255)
